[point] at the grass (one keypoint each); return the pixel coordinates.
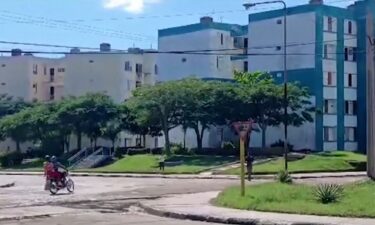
(149, 164)
(276, 197)
(323, 162)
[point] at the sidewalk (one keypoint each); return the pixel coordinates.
(197, 207)
(191, 176)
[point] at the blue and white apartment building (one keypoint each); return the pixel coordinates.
(327, 52)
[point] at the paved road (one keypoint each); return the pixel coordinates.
(105, 219)
(101, 200)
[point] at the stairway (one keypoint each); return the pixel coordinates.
(93, 160)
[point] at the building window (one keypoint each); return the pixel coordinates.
(330, 134)
(3, 65)
(138, 68)
(217, 62)
(61, 70)
(35, 86)
(183, 60)
(351, 107)
(350, 80)
(51, 93)
(330, 106)
(350, 54)
(329, 79)
(45, 70)
(91, 61)
(278, 48)
(52, 71)
(245, 66)
(350, 27)
(330, 24)
(329, 51)
(279, 21)
(222, 39)
(350, 134)
(128, 66)
(156, 69)
(246, 43)
(35, 69)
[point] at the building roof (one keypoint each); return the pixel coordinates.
(324, 9)
(235, 29)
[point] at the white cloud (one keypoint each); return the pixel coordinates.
(132, 6)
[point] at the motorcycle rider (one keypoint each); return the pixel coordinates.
(48, 171)
(59, 176)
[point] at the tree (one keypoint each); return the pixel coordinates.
(9, 105)
(16, 127)
(263, 99)
(112, 130)
(158, 106)
(87, 114)
(206, 104)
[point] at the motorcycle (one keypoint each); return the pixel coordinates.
(67, 183)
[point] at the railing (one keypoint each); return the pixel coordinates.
(91, 160)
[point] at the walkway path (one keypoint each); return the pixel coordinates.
(195, 176)
(197, 207)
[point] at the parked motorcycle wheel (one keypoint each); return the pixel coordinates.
(70, 185)
(53, 188)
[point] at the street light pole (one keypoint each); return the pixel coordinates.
(285, 97)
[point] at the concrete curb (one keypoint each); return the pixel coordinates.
(212, 219)
(205, 177)
(18, 218)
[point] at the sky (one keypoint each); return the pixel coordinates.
(123, 23)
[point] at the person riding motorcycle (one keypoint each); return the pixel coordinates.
(58, 176)
(48, 171)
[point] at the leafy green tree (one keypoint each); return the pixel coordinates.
(111, 130)
(158, 106)
(9, 105)
(87, 114)
(16, 127)
(206, 104)
(263, 100)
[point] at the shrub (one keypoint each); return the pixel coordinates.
(11, 159)
(284, 177)
(119, 153)
(280, 143)
(328, 193)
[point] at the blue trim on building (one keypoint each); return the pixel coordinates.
(340, 59)
(304, 77)
(234, 29)
(360, 11)
(302, 9)
(319, 140)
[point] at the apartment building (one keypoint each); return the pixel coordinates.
(113, 73)
(208, 46)
(327, 52)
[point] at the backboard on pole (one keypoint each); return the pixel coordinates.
(243, 127)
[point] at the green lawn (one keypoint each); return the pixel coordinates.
(323, 162)
(149, 164)
(358, 200)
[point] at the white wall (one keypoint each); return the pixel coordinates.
(300, 29)
(177, 66)
(15, 76)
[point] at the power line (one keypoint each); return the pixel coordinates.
(185, 51)
(61, 24)
(156, 16)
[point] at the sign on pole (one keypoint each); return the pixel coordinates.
(243, 128)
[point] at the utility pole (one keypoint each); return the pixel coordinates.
(370, 97)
